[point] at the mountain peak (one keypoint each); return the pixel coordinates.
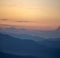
(58, 28)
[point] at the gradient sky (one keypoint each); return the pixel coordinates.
(33, 13)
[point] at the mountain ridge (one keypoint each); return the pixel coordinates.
(26, 47)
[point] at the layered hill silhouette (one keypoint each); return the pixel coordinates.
(24, 48)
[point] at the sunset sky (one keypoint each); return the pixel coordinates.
(33, 14)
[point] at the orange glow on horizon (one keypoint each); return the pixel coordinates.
(36, 13)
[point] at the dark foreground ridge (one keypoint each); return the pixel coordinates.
(5, 55)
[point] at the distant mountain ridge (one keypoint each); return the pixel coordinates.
(39, 33)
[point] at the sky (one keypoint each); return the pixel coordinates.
(30, 14)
